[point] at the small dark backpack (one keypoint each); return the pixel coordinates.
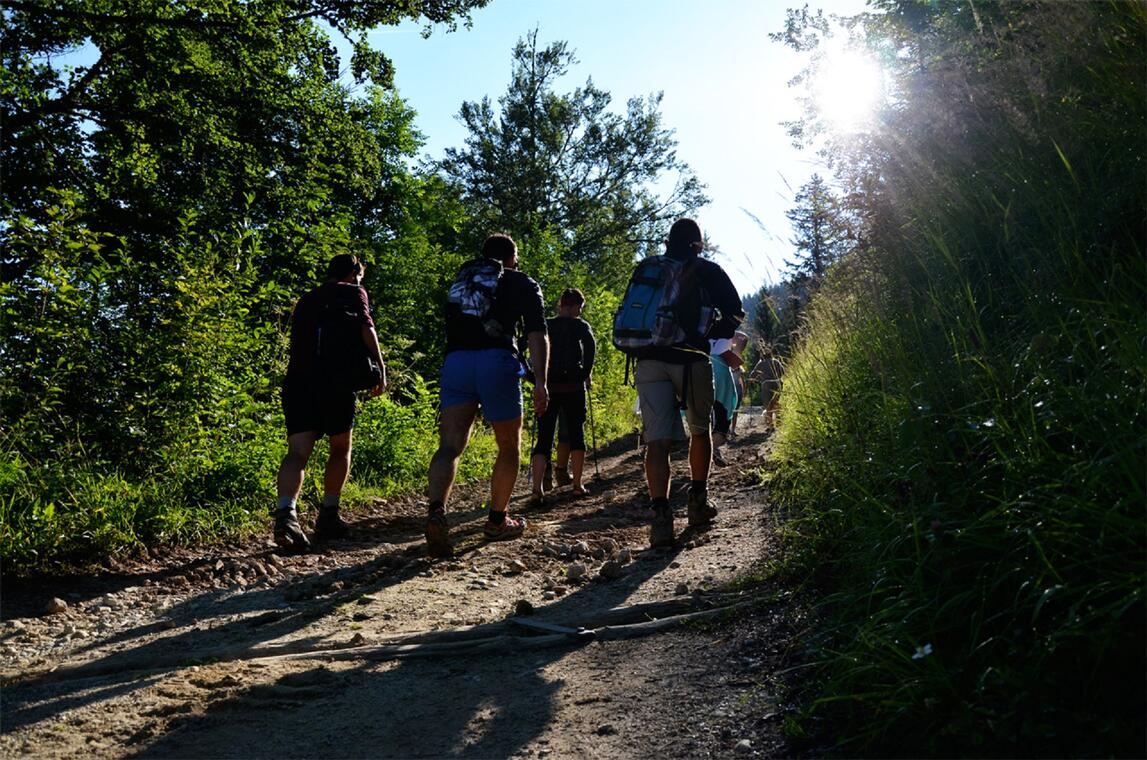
(566, 354)
(473, 292)
(344, 362)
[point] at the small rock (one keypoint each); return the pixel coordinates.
(599, 554)
(576, 571)
(744, 747)
(55, 606)
(523, 607)
(581, 549)
(674, 565)
(682, 589)
(366, 599)
(606, 729)
(610, 571)
(360, 616)
(548, 594)
(624, 556)
(517, 566)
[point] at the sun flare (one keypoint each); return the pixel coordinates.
(848, 88)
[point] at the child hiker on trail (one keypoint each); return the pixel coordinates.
(572, 352)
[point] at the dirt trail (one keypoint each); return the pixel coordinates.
(366, 648)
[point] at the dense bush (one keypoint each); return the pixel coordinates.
(962, 436)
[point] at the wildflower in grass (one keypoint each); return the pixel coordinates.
(922, 652)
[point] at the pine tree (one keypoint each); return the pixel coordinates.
(821, 233)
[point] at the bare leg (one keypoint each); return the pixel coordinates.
(453, 434)
(338, 464)
(293, 467)
(538, 472)
(657, 468)
(563, 455)
(700, 456)
(577, 465)
(508, 436)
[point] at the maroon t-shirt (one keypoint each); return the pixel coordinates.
(305, 317)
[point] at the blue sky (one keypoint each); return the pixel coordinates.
(724, 84)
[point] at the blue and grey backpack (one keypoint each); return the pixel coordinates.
(660, 307)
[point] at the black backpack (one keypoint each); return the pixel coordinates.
(343, 361)
(566, 354)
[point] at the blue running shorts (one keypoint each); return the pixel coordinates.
(490, 376)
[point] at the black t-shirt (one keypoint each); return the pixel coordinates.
(713, 288)
(518, 300)
(305, 319)
(572, 349)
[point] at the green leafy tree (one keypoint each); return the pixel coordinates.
(233, 111)
(565, 162)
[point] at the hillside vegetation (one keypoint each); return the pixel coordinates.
(962, 437)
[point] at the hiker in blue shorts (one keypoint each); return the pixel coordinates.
(488, 300)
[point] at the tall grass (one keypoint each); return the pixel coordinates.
(962, 438)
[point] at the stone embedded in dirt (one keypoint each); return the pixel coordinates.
(576, 571)
(744, 746)
(548, 594)
(606, 729)
(610, 571)
(625, 556)
(516, 566)
(55, 606)
(581, 549)
(682, 589)
(523, 607)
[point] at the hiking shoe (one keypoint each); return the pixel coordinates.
(438, 535)
(288, 533)
(562, 476)
(512, 527)
(661, 528)
(535, 501)
(700, 511)
(719, 458)
(330, 525)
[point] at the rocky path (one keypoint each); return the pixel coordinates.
(367, 648)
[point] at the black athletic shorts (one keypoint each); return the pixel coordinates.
(311, 407)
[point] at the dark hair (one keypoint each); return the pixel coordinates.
(499, 246)
(342, 266)
(682, 236)
(571, 297)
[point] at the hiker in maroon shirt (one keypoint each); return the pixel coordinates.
(314, 406)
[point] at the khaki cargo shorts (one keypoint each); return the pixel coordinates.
(660, 386)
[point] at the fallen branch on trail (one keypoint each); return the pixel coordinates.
(620, 623)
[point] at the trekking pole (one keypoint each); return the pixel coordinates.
(530, 458)
(592, 435)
